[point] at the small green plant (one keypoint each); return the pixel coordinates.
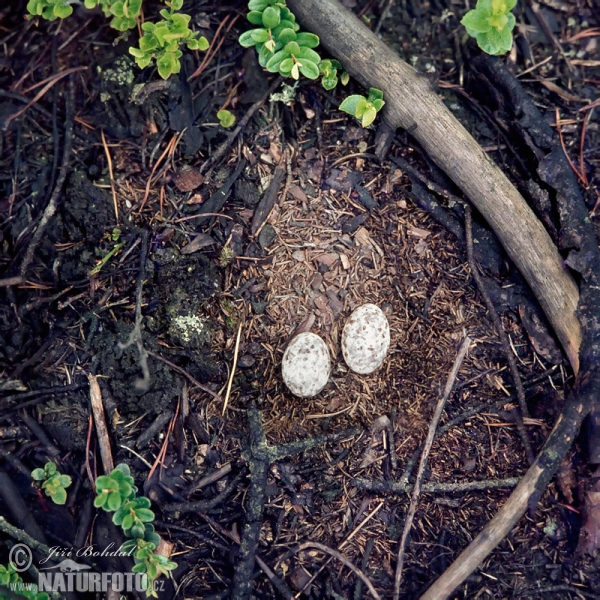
(50, 9)
(491, 23)
(9, 578)
(161, 41)
(329, 69)
(362, 108)
(283, 49)
(52, 482)
(226, 119)
(117, 493)
(109, 237)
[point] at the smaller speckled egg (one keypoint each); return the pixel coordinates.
(365, 339)
(306, 365)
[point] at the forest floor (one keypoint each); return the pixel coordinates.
(224, 286)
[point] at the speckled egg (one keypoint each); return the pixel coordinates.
(306, 365)
(365, 339)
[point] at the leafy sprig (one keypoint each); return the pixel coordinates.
(364, 109)
(160, 42)
(117, 493)
(52, 482)
(491, 23)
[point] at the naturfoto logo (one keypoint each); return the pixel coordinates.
(72, 576)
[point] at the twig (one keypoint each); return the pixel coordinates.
(233, 367)
(51, 81)
(344, 561)
(62, 176)
(110, 174)
(136, 334)
(432, 487)
(205, 505)
(100, 420)
(512, 363)
(428, 443)
(529, 490)
(269, 199)
(8, 281)
(580, 174)
(185, 374)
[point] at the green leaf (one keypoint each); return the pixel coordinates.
(308, 54)
(285, 67)
(167, 65)
(104, 482)
(350, 103)
(246, 40)
(63, 11)
(361, 107)
(60, 496)
(145, 514)
(495, 42)
(271, 17)
(203, 43)
(375, 94)
(151, 570)
(175, 4)
(122, 23)
(498, 21)
(369, 115)
(295, 72)
(484, 7)
(274, 62)
(113, 502)
(329, 82)
(378, 104)
(310, 40)
(65, 480)
(309, 69)
(148, 42)
(476, 21)
(226, 119)
(38, 474)
(345, 78)
(90, 4)
(257, 5)
(255, 17)
(287, 35)
(50, 468)
(127, 522)
(100, 501)
(292, 48)
(260, 36)
(137, 531)
(287, 15)
(139, 568)
(116, 9)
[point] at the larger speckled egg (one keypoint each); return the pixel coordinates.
(365, 339)
(306, 365)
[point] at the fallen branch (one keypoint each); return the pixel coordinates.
(414, 106)
(530, 488)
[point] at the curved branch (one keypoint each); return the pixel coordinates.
(412, 104)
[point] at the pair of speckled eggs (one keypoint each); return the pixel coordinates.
(365, 341)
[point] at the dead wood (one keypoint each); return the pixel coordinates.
(412, 104)
(577, 236)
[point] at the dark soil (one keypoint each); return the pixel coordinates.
(346, 229)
